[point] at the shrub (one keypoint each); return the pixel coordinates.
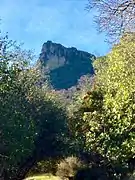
(68, 167)
(44, 166)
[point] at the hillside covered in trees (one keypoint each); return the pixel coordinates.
(85, 131)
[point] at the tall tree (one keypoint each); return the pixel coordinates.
(109, 109)
(32, 121)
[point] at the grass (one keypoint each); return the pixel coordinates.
(43, 177)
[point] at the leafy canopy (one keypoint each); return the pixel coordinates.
(108, 110)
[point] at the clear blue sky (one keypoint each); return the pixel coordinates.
(63, 21)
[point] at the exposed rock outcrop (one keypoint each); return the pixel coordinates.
(64, 65)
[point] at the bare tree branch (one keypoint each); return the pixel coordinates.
(114, 17)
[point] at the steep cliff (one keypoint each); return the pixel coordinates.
(64, 65)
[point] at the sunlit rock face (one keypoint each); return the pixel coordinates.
(64, 65)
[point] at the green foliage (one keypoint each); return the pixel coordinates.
(30, 116)
(36, 125)
(16, 129)
(44, 166)
(108, 109)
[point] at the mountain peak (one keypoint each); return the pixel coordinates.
(65, 64)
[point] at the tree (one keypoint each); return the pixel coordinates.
(10, 68)
(114, 16)
(109, 109)
(32, 121)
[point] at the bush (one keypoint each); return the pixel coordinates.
(44, 166)
(68, 167)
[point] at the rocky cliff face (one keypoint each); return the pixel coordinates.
(64, 65)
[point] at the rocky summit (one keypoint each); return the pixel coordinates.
(64, 65)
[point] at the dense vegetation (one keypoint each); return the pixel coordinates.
(85, 132)
(33, 122)
(108, 112)
(93, 121)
